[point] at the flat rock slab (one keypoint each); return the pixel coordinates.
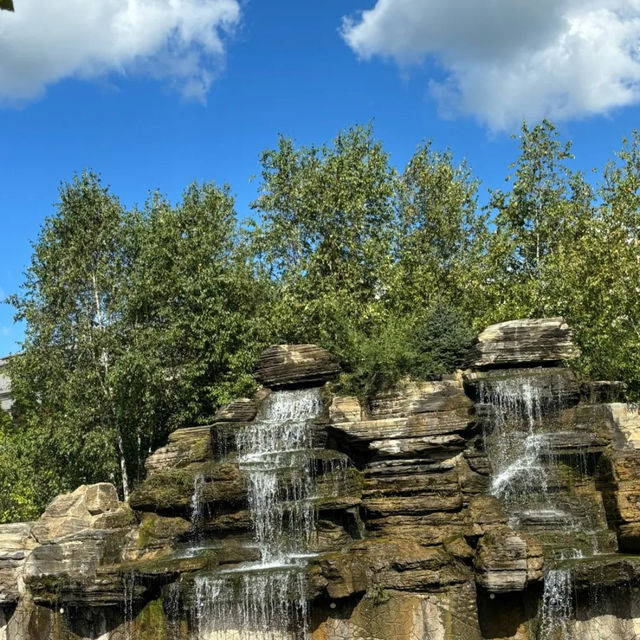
(523, 342)
(295, 365)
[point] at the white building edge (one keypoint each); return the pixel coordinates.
(5, 387)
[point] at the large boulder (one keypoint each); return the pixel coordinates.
(387, 613)
(295, 365)
(89, 507)
(423, 420)
(78, 532)
(15, 544)
(523, 342)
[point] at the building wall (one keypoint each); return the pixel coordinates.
(5, 388)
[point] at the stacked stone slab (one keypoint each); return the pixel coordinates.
(523, 343)
(413, 548)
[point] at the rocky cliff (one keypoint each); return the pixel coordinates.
(500, 503)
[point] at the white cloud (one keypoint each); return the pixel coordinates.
(505, 60)
(179, 41)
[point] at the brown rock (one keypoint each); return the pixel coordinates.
(620, 479)
(15, 545)
(295, 365)
(72, 513)
(508, 560)
(392, 615)
(523, 342)
(185, 446)
(100, 498)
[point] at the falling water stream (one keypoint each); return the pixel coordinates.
(267, 599)
(514, 444)
(521, 457)
(557, 600)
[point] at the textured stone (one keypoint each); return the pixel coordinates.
(185, 446)
(83, 509)
(508, 560)
(15, 545)
(625, 420)
(427, 420)
(620, 479)
(400, 564)
(523, 342)
(169, 492)
(556, 387)
(158, 532)
(391, 615)
(295, 365)
(410, 492)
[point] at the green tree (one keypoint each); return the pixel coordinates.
(197, 304)
(324, 236)
(137, 322)
(439, 234)
(63, 381)
(548, 206)
(597, 274)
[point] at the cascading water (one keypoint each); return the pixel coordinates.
(515, 444)
(197, 506)
(128, 584)
(267, 599)
(519, 448)
(275, 453)
(557, 600)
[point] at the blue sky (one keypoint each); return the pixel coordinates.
(195, 89)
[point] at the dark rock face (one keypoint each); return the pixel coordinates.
(414, 537)
(295, 365)
(523, 342)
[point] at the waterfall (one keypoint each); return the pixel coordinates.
(129, 584)
(267, 599)
(557, 600)
(274, 454)
(197, 510)
(254, 605)
(514, 444)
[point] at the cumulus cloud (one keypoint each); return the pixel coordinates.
(176, 41)
(504, 60)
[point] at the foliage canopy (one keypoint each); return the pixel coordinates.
(142, 320)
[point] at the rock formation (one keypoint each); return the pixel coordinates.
(499, 503)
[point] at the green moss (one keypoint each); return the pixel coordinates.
(158, 531)
(200, 449)
(356, 478)
(151, 622)
(164, 491)
(48, 588)
(378, 595)
(113, 545)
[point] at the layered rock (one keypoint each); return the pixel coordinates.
(295, 365)
(414, 538)
(508, 560)
(520, 342)
(15, 544)
(410, 444)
